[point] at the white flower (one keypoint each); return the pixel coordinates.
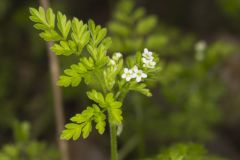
(144, 60)
(139, 74)
(148, 59)
(147, 54)
(149, 64)
(117, 56)
(128, 74)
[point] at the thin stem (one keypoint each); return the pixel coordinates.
(113, 136)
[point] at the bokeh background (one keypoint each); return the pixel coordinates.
(195, 108)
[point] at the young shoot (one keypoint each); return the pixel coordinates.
(109, 79)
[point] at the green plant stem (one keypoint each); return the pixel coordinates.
(113, 137)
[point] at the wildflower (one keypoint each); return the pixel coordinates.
(149, 64)
(128, 74)
(147, 54)
(148, 59)
(138, 74)
(117, 56)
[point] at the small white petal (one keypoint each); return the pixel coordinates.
(128, 78)
(145, 50)
(130, 71)
(123, 75)
(144, 75)
(125, 70)
(135, 69)
(144, 60)
(134, 75)
(118, 55)
(138, 79)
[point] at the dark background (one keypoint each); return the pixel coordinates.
(25, 89)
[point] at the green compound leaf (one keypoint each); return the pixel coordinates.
(141, 88)
(97, 33)
(66, 81)
(99, 119)
(98, 44)
(38, 16)
(64, 48)
(100, 35)
(107, 42)
(50, 35)
(46, 22)
(80, 34)
(86, 130)
(83, 123)
(145, 25)
(84, 116)
(64, 26)
(114, 109)
(96, 97)
(87, 62)
(73, 76)
(72, 131)
(113, 106)
(51, 18)
(119, 29)
(98, 54)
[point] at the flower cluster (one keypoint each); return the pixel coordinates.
(148, 59)
(133, 73)
(148, 62)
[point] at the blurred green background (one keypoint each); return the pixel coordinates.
(194, 113)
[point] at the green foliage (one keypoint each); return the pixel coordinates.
(115, 113)
(63, 24)
(141, 89)
(109, 103)
(190, 87)
(132, 29)
(146, 25)
(65, 48)
(78, 29)
(99, 71)
(83, 123)
(230, 8)
(185, 152)
(24, 148)
(46, 22)
(74, 75)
